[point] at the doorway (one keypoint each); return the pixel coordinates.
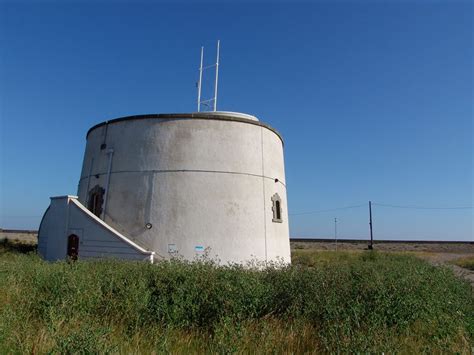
(72, 247)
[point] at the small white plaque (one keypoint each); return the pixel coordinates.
(172, 248)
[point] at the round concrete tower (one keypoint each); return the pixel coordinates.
(190, 184)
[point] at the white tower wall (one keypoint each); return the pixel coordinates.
(201, 180)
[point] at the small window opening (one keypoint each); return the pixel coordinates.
(96, 199)
(276, 208)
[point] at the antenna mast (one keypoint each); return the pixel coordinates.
(200, 80)
(211, 103)
(217, 76)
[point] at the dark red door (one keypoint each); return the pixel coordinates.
(72, 246)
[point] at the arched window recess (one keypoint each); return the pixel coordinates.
(96, 200)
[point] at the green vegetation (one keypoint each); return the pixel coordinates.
(466, 262)
(326, 301)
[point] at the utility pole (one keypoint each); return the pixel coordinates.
(370, 224)
(335, 231)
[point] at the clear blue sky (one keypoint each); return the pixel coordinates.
(374, 101)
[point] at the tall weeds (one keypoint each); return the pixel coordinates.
(358, 302)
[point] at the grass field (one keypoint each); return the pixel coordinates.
(325, 302)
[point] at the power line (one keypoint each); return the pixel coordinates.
(384, 205)
(331, 209)
(328, 210)
(422, 207)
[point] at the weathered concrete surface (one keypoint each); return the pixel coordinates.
(201, 184)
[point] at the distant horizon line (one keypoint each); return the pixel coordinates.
(313, 239)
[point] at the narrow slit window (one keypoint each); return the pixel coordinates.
(276, 208)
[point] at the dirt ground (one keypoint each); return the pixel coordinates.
(458, 248)
(19, 236)
(435, 253)
(445, 258)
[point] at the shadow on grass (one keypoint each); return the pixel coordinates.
(16, 246)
